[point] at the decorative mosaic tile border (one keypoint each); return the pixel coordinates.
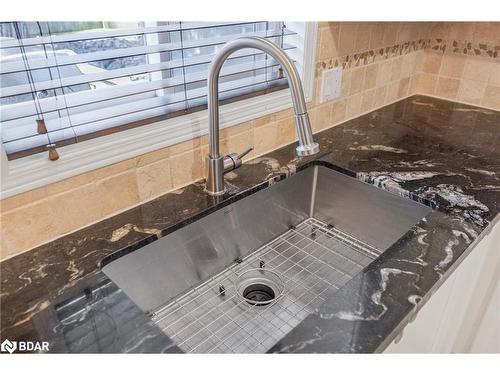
(373, 55)
(465, 47)
(378, 54)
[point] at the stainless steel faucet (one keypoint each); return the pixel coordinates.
(217, 164)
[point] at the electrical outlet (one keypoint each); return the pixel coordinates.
(331, 84)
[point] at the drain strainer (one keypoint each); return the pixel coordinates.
(259, 286)
(260, 293)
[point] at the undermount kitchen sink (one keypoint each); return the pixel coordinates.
(241, 278)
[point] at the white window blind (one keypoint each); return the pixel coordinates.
(89, 78)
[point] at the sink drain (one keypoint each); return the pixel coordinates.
(259, 287)
(259, 293)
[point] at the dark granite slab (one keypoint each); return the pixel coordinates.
(443, 154)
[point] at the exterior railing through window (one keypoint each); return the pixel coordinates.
(66, 82)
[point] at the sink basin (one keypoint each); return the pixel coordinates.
(241, 278)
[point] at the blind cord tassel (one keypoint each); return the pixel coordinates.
(53, 155)
(41, 128)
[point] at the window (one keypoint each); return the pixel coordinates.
(103, 92)
(84, 79)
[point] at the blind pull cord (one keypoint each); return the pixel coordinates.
(41, 127)
(280, 69)
(53, 154)
(186, 105)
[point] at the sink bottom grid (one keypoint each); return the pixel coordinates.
(313, 259)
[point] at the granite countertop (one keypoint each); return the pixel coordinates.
(444, 154)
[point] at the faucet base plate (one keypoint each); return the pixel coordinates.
(215, 193)
(214, 182)
(307, 150)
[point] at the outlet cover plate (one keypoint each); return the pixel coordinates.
(331, 84)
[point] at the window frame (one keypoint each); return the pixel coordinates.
(35, 171)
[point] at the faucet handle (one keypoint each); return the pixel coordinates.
(234, 160)
(245, 153)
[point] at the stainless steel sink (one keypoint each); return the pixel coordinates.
(241, 278)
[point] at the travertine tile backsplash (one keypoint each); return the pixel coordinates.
(382, 62)
(462, 63)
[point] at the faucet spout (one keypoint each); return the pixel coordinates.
(215, 161)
